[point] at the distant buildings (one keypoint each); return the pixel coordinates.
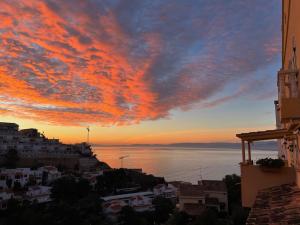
(139, 201)
(193, 199)
(168, 191)
(38, 194)
(9, 178)
(33, 148)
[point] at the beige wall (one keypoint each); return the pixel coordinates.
(290, 39)
(221, 196)
(253, 178)
(291, 30)
(189, 199)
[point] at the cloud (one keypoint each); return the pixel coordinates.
(120, 62)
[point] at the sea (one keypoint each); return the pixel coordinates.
(179, 163)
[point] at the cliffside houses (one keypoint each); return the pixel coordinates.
(33, 147)
(9, 178)
(193, 199)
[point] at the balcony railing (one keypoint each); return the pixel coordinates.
(253, 178)
(288, 95)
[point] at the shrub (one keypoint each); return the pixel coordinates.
(270, 163)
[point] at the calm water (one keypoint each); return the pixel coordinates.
(176, 163)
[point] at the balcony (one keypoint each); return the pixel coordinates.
(289, 109)
(253, 177)
(288, 95)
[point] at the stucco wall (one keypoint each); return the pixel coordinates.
(253, 178)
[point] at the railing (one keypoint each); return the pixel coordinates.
(288, 84)
(288, 95)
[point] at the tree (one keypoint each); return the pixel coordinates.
(70, 190)
(163, 208)
(11, 158)
(17, 186)
(208, 217)
(233, 184)
(178, 218)
(129, 217)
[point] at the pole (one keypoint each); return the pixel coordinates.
(88, 135)
(243, 151)
(249, 152)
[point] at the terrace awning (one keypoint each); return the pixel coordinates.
(261, 136)
(265, 135)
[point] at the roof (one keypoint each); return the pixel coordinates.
(213, 185)
(277, 205)
(193, 209)
(115, 197)
(265, 135)
(191, 190)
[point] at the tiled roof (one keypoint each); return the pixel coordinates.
(278, 205)
(213, 185)
(191, 190)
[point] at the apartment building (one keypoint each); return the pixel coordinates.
(273, 196)
(34, 147)
(193, 199)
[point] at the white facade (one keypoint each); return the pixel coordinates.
(4, 197)
(165, 190)
(139, 201)
(31, 144)
(23, 176)
(9, 177)
(38, 194)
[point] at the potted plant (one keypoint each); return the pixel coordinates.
(270, 165)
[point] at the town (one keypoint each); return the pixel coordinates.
(38, 171)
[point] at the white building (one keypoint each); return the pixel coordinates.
(50, 173)
(10, 177)
(139, 201)
(32, 145)
(38, 194)
(166, 190)
(24, 176)
(207, 194)
(4, 197)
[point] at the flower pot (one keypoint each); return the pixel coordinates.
(270, 169)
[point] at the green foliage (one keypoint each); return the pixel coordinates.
(129, 217)
(270, 163)
(238, 214)
(208, 217)
(86, 211)
(163, 208)
(17, 186)
(178, 218)
(69, 189)
(122, 178)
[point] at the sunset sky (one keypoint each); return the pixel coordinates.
(140, 71)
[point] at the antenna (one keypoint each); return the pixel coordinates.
(88, 135)
(201, 178)
(123, 157)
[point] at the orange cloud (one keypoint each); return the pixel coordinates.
(80, 62)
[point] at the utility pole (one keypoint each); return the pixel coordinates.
(123, 157)
(88, 135)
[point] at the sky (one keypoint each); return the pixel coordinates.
(140, 71)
